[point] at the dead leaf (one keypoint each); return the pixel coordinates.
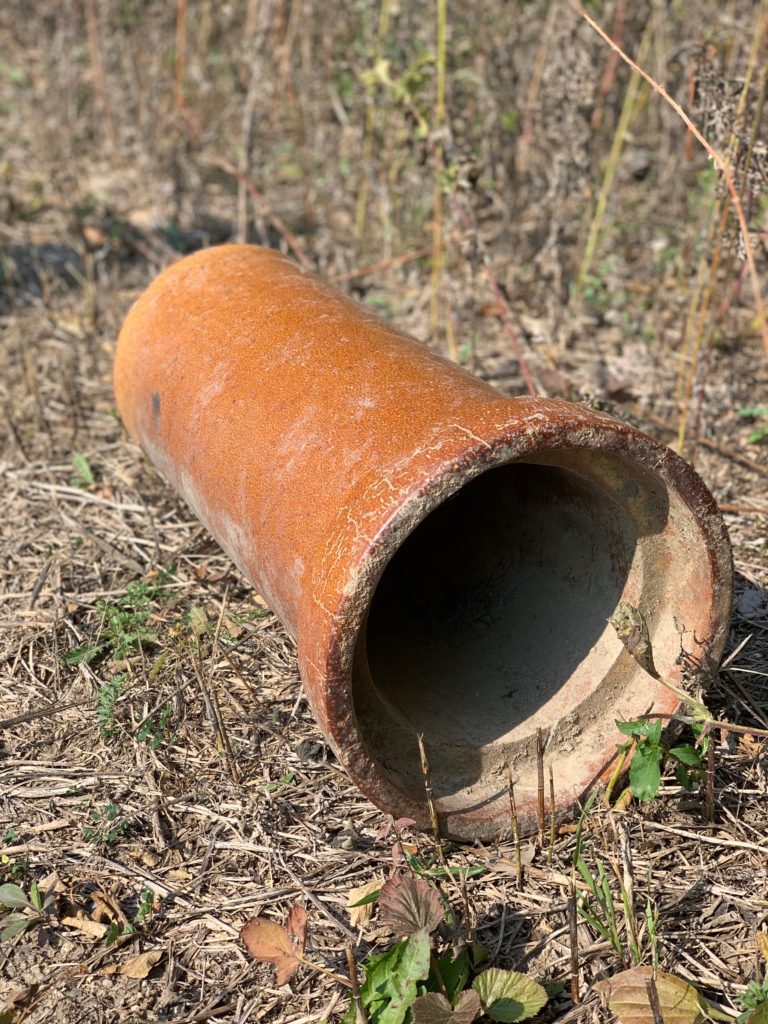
(407, 905)
(271, 943)
(107, 908)
(398, 824)
(508, 865)
(139, 966)
(761, 941)
(93, 929)
(359, 917)
(180, 874)
(751, 745)
(297, 927)
(627, 996)
(400, 849)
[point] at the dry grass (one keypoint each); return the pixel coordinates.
(228, 802)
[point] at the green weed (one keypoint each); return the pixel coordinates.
(651, 752)
(83, 475)
(145, 909)
(754, 1002)
(156, 731)
(124, 625)
(109, 694)
(410, 982)
(107, 827)
(34, 909)
(755, 412)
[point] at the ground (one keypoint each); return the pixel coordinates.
(552, 227)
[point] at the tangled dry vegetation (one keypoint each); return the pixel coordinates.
(520, 202)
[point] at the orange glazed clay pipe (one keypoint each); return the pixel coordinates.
(446, 558)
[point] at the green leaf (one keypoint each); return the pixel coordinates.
(454, 973)
(370, 898)
(13, 897)
(685, 778)
(509, 996)
(687, 754)
(413, 967)
(480, 953)
(434, 1008)
(84, 654)
(638, 727)
(391, 979)
(653, 733)
(14, 924)
(752, 411)
(83, 471)
(554, 988)
(408, 905)
(645, 772)
(34, 896)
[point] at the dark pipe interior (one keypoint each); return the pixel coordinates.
(487, 610)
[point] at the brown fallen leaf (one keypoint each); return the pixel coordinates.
(761, 941)
(627, 996)
(359, 917)
(271, 943)
(297, 927)
(139, 966)
(93, 929)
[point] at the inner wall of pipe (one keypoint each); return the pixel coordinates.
(490, 621)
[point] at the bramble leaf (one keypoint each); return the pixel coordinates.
(509, 996)
(408, 905)
(434, 1008)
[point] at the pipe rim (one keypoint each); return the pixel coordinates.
(503, 447)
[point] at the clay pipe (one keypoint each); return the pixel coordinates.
(446, 558)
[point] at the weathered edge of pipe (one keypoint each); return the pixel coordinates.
(239, 323)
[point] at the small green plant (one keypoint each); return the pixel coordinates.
(83, 474)
(286, 779)
(34, 909)
(109, 694)
(410, 982)
(145, 908)
(156, 731)
(107, 827)
(124, 627)
(650, 754)
(756, 412)
(754, 1003)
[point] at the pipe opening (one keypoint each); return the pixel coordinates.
(490, 621)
